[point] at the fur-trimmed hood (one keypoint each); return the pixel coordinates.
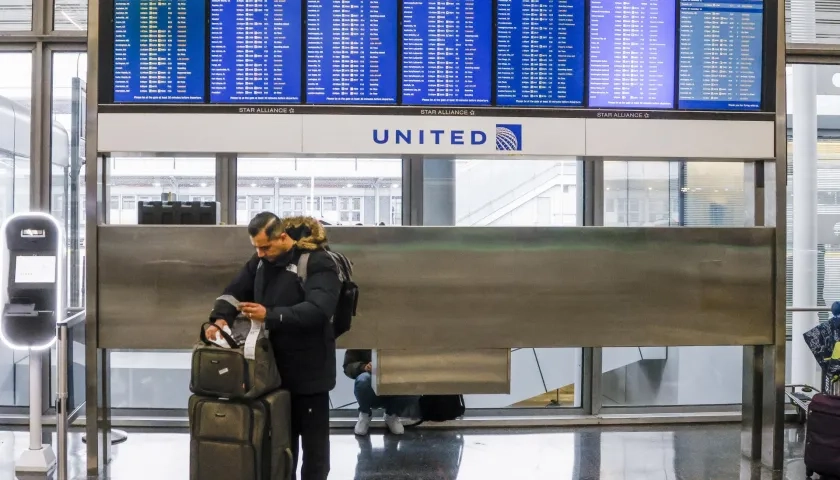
(307, 232)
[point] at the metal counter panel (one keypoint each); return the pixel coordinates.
(467, 288)
(441, 372)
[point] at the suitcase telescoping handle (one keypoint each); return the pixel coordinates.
(289, 462)
(204, 340)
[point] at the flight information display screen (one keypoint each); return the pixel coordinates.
(540, 52)
(632, 53)
(255, 51)
(720, 54)
(159, 51)
(447, 52)
(351, 51)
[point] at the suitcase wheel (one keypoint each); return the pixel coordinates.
(809, 473)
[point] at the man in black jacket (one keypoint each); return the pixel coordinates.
(298, 320)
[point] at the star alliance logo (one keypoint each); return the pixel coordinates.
(508, 138)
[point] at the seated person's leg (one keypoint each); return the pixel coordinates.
(394, 407)
(367, 400)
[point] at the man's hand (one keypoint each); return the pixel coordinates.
(368, 368)
(212, 331)
(254, 311)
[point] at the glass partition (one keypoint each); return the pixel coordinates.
(513, 193)
(672, 194)
(338, 191)
(151, 379)
(15, 139)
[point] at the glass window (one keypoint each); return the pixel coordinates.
(153, 379)
(15, 15)
(68, 185)
(673, 194)
(346, 191)
(71, 15)
(15, 135)
(824, 23)
(521, 192)
(131, 179)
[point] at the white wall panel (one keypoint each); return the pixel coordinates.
(456, 135)
(465, 136)
(679, 138)
(199, 133)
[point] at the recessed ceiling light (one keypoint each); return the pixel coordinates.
(253, 184)
(349, 185)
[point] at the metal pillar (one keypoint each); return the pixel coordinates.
(773, 356)
(226, 187)
(412, 190)
(752, 383)
(591, 214)
(803, 30)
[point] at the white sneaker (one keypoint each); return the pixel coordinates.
(394, 424)
(363, 425)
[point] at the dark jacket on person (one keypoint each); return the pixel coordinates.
(298, 317)
(355, 361)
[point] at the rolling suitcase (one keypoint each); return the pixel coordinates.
(822, 439)
(240, 440)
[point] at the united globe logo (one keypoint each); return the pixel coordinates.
(508, 138)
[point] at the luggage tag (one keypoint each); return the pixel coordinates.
(251, 341)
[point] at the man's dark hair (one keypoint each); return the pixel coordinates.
(267, 222)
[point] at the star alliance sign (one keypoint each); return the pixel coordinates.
(508, 137)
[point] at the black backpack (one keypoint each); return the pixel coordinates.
(348, 298)
(440, 408)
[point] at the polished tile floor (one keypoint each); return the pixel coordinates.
(642, 453)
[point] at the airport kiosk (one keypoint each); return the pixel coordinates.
(33, 303)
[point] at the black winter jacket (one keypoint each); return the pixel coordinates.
(297, 316)
(355, 361)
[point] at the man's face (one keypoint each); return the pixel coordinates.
(270, 249)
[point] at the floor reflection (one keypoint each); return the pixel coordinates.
(645, 453)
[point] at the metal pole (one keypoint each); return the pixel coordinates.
(61, 400)
(808, 309)
(35, 400)
(803, 30)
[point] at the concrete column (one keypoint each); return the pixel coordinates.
(803, 30)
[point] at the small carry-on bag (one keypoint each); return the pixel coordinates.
(241, 440)
(822, 439)
(245, 371)
(439, 408)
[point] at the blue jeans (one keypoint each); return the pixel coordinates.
(368, 399)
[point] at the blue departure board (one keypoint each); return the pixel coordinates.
(632, 53)
(720, 54)
(351, 51)
(447, 52)
(255, 51)
(540, 52)
(158, 51)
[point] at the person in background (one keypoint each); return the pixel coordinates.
(357, 365)
(297, 318)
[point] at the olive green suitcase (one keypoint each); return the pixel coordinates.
(241, 440)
